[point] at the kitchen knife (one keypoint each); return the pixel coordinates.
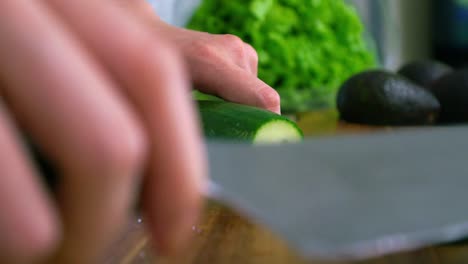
(351, 197)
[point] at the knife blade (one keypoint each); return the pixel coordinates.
(350, 197)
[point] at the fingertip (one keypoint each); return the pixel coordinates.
(173, 211)
(270, 99)
(44, 237)
(33, 239)
(174, 234)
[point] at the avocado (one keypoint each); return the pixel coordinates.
(379, 97)
(452, 92)
(424, 73)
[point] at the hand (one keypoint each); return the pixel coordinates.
(225, 66)
(221, 65)
(108, 101)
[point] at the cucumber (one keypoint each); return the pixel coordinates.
(230, 121)
(197, 95)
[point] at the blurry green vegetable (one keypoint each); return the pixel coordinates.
(306, 48)
(199, 96)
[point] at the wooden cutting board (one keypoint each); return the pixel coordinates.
(225, 237)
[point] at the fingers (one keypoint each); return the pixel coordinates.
(237, 85)
(154, 79)
(28, 226)
(252, 58)
(225, 66)
(210, 55)
(63, 98)
(241, 84)
(239, 52)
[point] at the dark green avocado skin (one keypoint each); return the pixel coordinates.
(452, 93)
(378, 97)
(424, 73)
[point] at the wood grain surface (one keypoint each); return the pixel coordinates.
(225, 237)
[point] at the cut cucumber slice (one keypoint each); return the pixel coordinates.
(229, 121)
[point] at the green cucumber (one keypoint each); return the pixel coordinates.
(229, 121)
(197, 95)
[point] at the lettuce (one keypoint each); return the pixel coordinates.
(306, 48)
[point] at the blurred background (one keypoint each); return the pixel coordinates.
(401, 29)
(417, 29)
(396, 32)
